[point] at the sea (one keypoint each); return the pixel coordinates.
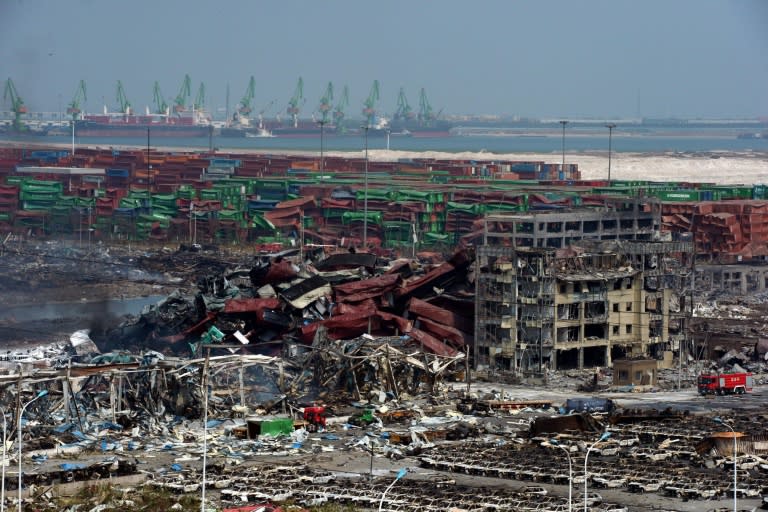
(658, 142)
(665, 154)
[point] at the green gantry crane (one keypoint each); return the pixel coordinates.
(295, 101)
(339, 111)
(80, 97)
(245, 106)
(161, 107)
(17, 105)
(425, 109)
(326, 104)
(199, 103)
(369, 112)
(180, 103)
(122, 100)
(404, 110)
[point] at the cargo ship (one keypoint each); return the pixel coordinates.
(184, 124)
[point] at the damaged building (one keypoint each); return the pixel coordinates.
(560, 291)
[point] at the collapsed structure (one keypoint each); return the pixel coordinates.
(580, 289)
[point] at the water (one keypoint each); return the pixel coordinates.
(83, 310)
(669, 140)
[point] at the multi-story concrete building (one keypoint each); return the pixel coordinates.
(580, 298)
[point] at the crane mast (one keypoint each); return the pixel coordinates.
(199, 103)
(404, 110)
(425, 109)
(180, 103)
(80, 96)
(293, 104)
(122, 100)
(161, 107)
(17, 104)
(369, 110)
(326, 104)
(245, 106)
(338, 113)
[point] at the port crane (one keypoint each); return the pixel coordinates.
(326, 104)
(425, 109)
(122, 100)
(245, 104)
(369, 112)
(338, 113)
(199, 103)
(404, 110)
(180, 103)
(17, 104)
(80, 96)
(161, 107)
(293, 103)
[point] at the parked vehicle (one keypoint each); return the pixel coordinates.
(725, 383)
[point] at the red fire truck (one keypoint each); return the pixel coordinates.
(725, 383)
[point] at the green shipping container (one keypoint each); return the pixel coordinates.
(276, 427)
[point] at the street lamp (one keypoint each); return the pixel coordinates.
(365, 196)
(554, 442)
(610, 127)
(400, 474)
(5, 456)
(322, 132)
(603, 437)
(41, 394)
(563, 123)
(205, 433)
(733, 433)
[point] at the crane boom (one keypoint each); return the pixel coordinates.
(404, 110)
(122, 100)
(180, 103)
(17, 104)
(161, 107)
(245, 107)
(326, 103)
(370, 103)
(80, 96)
(425, 109)
(199, 103)
(293, 103)
(338, 113)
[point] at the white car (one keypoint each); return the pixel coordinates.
(593, 499)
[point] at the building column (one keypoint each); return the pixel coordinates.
(743, 283)
(581, 358)
(608, 361)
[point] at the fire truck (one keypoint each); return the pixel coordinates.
(724, 383)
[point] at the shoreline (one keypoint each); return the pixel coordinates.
(726, 167)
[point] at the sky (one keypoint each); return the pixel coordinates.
(608, 59)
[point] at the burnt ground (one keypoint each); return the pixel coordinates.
(34, 276)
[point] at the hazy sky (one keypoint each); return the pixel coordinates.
(542, 58)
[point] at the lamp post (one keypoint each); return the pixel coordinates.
(205, 426)
(554, 442)
(563, 123)
(400, 474)
(149, 165)
(40, 394)
(365, 192)
(322, 133)
(603, 437)
(5, 456)
(610, 127)
(733, 433)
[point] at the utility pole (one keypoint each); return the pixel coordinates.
(610, 127)
(322, 162)
(365, 196)
(563, 123)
